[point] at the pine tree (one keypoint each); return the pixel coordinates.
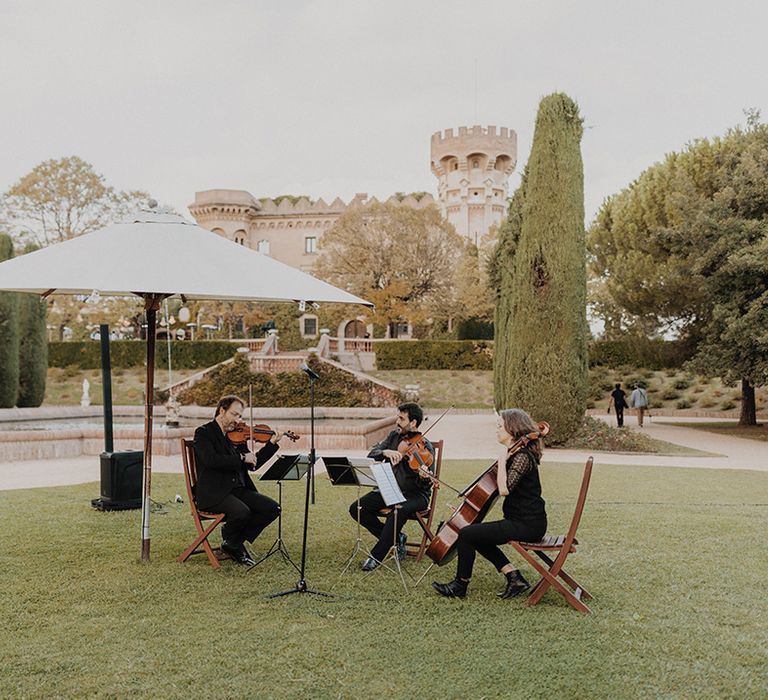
(33, 348)
(540, 361)
(9, 336)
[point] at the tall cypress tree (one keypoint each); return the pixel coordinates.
(540, 360)
(33, 348)
(9, 335)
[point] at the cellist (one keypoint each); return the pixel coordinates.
(415, 485)
(525, 518)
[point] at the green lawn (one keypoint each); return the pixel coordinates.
(64, 386)
(752, 432)
(669, 554)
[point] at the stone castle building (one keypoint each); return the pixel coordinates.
(472, 166)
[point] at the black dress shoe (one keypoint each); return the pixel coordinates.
(455, 589)
(238, 554)
(516, 584)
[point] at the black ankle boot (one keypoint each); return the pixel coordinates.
(455, 589)
(516, 584)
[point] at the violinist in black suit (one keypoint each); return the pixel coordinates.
(223, 484)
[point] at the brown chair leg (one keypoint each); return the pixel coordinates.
(548, 579)
(202, 539)
(572, 582)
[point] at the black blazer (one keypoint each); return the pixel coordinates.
(219, 466)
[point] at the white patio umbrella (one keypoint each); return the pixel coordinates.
(155, 255)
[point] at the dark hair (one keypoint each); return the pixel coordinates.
(618, 386)
(225, 402)
(414, 412)
(518, 423)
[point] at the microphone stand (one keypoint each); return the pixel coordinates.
(301, 584)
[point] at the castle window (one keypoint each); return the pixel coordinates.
(310, 245)
(263, 247)
(475, 163)
(308, 326)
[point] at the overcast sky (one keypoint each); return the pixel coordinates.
(332, 98)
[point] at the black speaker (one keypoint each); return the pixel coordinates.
(120, 480)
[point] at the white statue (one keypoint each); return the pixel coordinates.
(85, 400)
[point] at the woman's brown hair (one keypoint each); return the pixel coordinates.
(518, 423)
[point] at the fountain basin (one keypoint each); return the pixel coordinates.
(48, 433)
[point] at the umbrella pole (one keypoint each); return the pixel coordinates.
(152, 304)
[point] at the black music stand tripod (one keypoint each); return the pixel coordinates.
(301, 584)
(285, 468)
(343, 471)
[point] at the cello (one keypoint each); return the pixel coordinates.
(479, 498)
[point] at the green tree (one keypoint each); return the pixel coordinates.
(400, 258)
(540, 359)
(33, 348)
(61, 199)
(9, 335)
(684, 248)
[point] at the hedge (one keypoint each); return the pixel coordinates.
(640, 352)
(185, 354)
(435, 354)
(478, 355)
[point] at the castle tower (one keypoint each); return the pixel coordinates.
(473, 169)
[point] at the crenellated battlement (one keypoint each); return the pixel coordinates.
(477, 131)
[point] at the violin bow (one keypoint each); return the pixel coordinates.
(250, 411)
(439, 418)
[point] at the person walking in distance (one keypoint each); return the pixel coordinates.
(619, 401)
(639, 400)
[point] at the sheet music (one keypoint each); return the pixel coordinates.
(388, 486)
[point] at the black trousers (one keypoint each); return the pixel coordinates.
(620, 416)
(248, 513)
(386, 531)
(483, 538)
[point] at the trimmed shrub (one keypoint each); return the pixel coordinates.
(335, 388)
(185, 354)
(33, 350)
(474, 329)
(434, 354)
(640, 352)
(683, 403)
(9, 335)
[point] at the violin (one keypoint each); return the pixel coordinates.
(241, 433)
(415, 452)
(479, 498)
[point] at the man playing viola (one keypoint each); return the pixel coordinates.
(223, 484)
(414, 483)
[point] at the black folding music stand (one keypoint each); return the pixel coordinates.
(343, 471)
(285, 468)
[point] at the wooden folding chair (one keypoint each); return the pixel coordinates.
(424, 517)
(553, 573)
(200, 543)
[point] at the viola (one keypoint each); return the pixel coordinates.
(241, 433)
(415, 452)
(479, 498)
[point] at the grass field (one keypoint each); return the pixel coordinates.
(752, 432)
(669, 554)
(668, 389)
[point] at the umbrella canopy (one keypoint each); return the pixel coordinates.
(155, 255)
(163, 254)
